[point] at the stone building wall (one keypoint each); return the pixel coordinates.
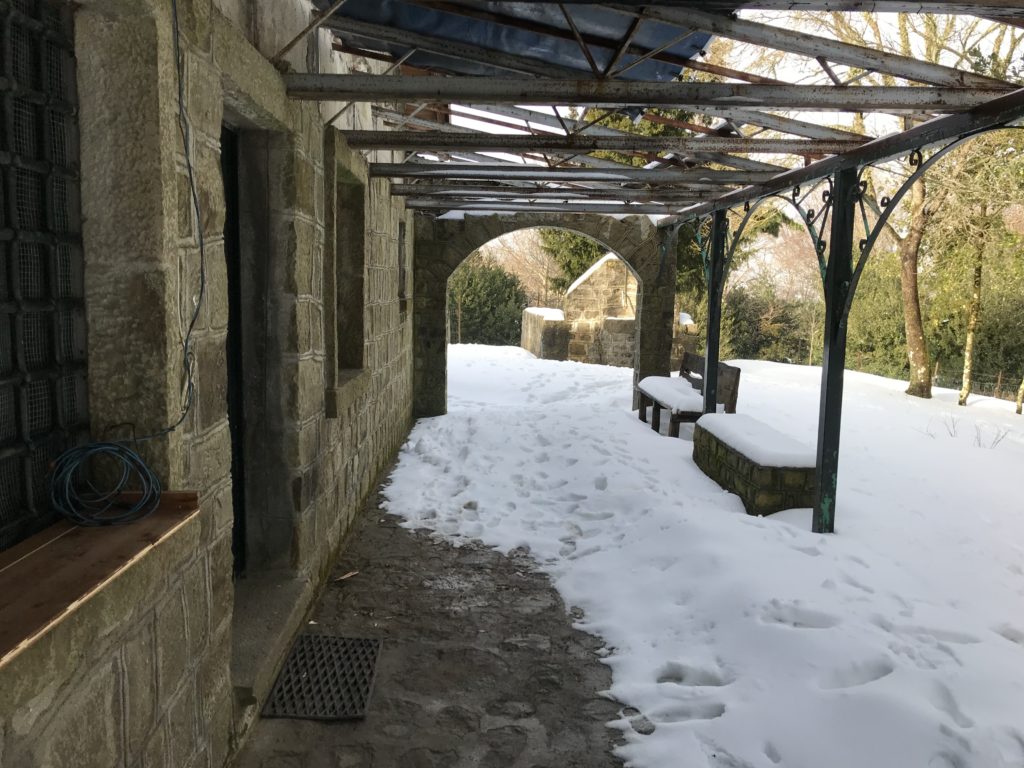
(146, 672)
(606, 291)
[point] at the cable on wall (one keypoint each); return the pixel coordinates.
(72, 492)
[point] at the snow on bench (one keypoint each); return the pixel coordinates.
(768, 470)
(678, 395)
(683, 397)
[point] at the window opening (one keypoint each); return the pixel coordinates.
(43, 390)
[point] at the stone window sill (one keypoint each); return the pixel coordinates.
(353, 383)
(48, 577)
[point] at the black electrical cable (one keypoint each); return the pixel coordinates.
(72, 493)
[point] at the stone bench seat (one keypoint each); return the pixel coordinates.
(768, 470)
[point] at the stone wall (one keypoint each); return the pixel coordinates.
(142, 673)
(602, 296)
(763, 490)
(545, 335)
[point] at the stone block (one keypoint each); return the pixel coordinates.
(762, 477)
(766, 502)
(196, 588)
(210, 187)
(85, 729)
(204, 96)
(222, 587)
(171, 644)
(211, 381)
(195, 23)
(154, 753)
(180, 725)
(217, 286)
(209, 459)
(796, 478)
(139, 659)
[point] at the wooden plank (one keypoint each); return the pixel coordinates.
(49, 576)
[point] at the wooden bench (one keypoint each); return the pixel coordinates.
(683, 397)
(768, 470)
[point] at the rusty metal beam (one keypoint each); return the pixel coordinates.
(615, 93)
(490, 142)
(542, 207)
(575, 194)
(625, 174)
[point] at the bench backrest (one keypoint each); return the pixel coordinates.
(692, 369)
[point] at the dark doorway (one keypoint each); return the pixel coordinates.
(236, 412)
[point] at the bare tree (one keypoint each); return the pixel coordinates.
(523, 254)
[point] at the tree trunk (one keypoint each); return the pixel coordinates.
(973, 315)
(910, 248)
(1020, 398)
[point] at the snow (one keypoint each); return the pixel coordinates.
(757, 441)
(591, 270)
(547, 313)
(749, 642)
(676, 393)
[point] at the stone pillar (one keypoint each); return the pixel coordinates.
(430, 322)
(656, 267)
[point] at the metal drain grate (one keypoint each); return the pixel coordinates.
(325, 678)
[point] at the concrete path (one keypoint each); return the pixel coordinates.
(480, 666)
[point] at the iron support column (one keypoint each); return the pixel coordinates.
(838, 276)
(716, 283)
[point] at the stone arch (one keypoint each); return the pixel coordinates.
(442, 244)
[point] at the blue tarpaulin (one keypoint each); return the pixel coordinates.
(591, 21)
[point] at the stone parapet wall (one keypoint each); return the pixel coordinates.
(763, 490)
(546, 338)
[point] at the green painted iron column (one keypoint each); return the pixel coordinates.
(838, 276)
(716, 284)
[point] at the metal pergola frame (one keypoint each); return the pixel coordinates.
(723, 161)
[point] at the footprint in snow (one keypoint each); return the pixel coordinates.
(677, 673)
(857, 673)
(1011, 633)
(798, 617)
(638, 722)
(601, 482)
(943, 700)
(690, 710)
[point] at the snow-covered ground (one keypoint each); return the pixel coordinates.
(737, 641)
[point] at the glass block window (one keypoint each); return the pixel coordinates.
(43, 394)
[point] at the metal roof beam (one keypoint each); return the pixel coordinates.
(460, 191)
(625, 174)
(782, 124)
(615, 93)
(993, 114)
(816, 47)
(489, 142)
(544, 207)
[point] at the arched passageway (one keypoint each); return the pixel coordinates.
(442, 244)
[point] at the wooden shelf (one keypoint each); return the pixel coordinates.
(48, 576)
